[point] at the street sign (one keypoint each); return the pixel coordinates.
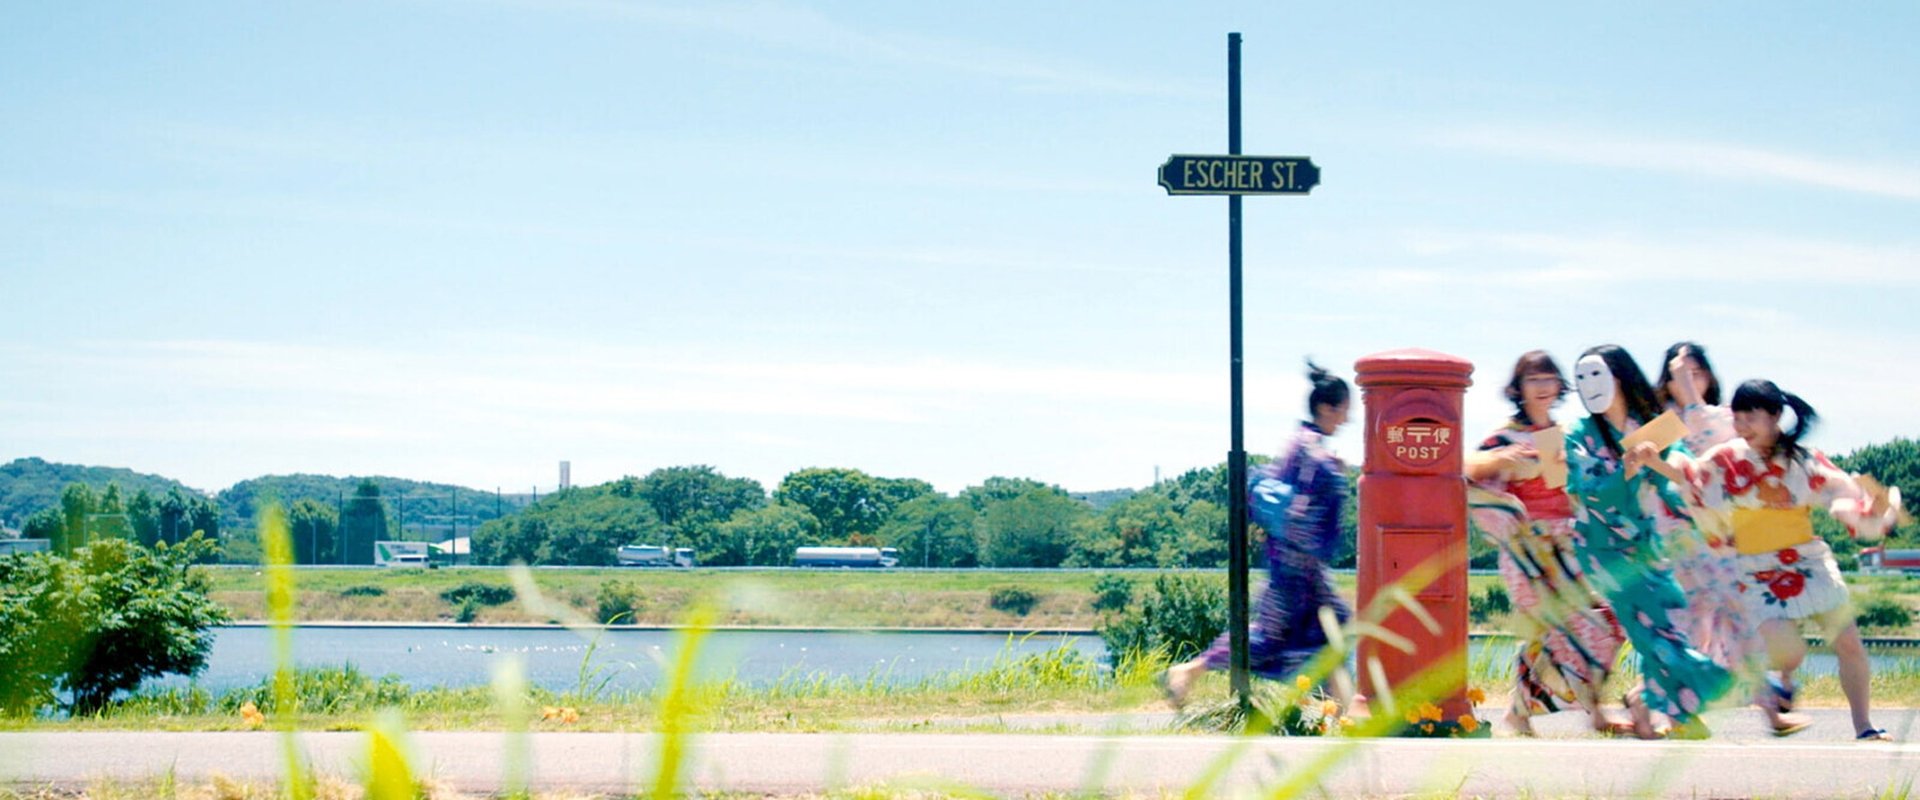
(1191, 174)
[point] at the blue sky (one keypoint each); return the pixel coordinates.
(462, 241)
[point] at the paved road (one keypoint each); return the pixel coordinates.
(1816, 764)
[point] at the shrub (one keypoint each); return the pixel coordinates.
(1012, 599)
(1483, 606)
(481, 593)
(363, 591)
(101, 621)
(1880, 611)
(1112, 593)
(469, 610)
(616, 602)
(1180, 616)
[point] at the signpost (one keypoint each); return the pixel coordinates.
(1236, 175)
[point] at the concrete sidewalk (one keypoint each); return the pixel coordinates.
(1814, 764)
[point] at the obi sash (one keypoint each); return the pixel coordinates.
(1766, 530)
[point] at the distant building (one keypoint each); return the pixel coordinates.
(566, 475)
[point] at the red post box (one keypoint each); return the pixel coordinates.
(1413, 512)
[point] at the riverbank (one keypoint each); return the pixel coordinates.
(1047, 600)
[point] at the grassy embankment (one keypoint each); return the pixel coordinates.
(805, 598)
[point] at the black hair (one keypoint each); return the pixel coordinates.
(1328, 389)
(1763, 395)
(1710, 394)
(1642, 407)
(1532, 362)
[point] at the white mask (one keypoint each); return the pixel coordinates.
(1594, 380)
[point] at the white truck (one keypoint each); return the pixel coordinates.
(880, 557)
(402, 554)
(653, 555)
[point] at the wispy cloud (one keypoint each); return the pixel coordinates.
(305, 407)
(1515, 258)
(1705, 158)
(806, 30)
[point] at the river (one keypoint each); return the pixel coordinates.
(424, 657)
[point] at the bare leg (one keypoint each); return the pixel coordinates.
(1786, 648)
(1180, 678)
(1855, 675)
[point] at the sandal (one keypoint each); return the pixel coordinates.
(1792, 726)
(1874, 735)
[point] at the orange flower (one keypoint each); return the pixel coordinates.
(250, 714)
(1328, 708)
(1468, 723)
(1476, 696)
(565, 715)
(1432, 712)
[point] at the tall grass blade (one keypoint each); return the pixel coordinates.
(277, 547)
(510, 697)
(679, 706)
(388, 775)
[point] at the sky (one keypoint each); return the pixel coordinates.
(465, 241)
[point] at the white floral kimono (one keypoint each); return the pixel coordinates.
(1786, 572)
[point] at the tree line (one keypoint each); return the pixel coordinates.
(1002, 522)
(730, 521)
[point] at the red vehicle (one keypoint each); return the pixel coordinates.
(1890, 560)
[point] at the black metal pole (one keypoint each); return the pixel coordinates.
(1237, 456)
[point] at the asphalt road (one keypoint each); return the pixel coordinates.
(1741, 762)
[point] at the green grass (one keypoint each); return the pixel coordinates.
(824, 598)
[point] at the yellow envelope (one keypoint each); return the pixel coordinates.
(1882, 498)
(1662, 431)
(1551, 444)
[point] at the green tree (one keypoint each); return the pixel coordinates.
(1203, 536)
(363, 522)
(47, 523)
(583, 526)
(143, 515)
(1140, 531)
(849, 504)
(76, 503)
(100, 622)
(313, 527)
(932, 530)
(1033, 529)
(109, 517)
(692, 502)
(764, 536)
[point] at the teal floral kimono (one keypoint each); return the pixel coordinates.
(1620, 531)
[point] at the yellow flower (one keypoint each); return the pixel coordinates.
(1328, 708)
(1468, 723)
(1302, 683)
(250, 714)
(569, 715)
(1413, 716)
(1346, 723)
(1476, 696)
(565, 715)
